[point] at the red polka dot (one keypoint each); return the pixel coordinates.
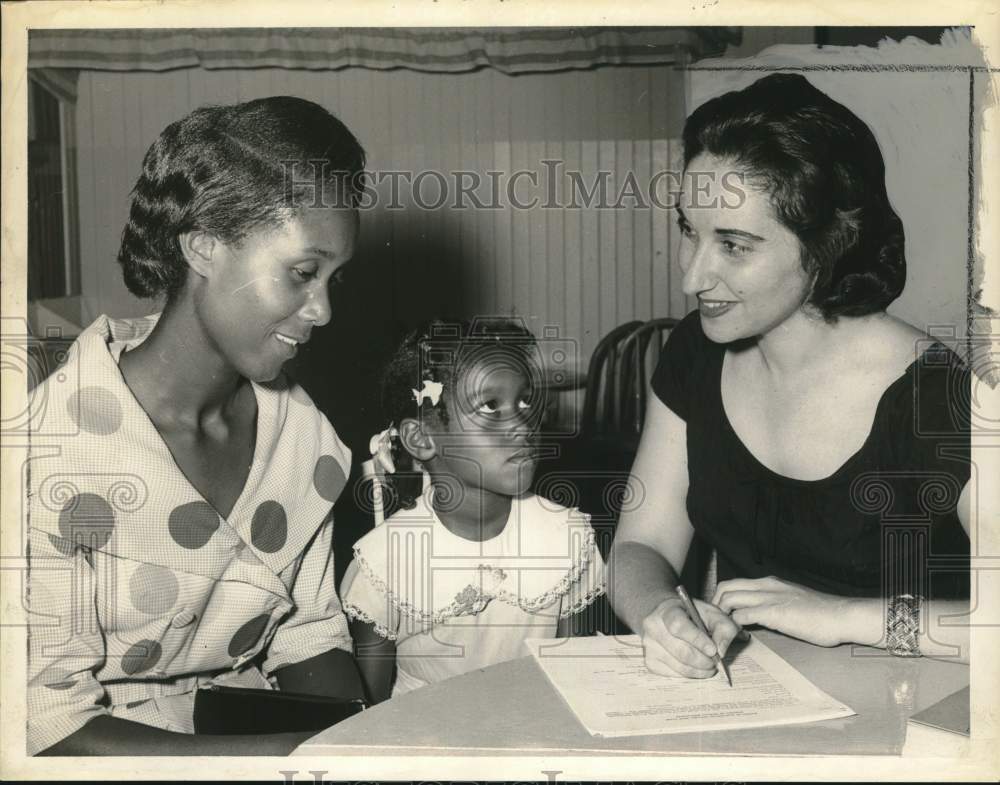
(96, 410)
(68, 549)
(246, 637)
(192, 525)
(63, 546)
(269, 528)
(153, 589)
(328, 478)
(141, 657)
(87, 520)
(62, 681)
(249, 556)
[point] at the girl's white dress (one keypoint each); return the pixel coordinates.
(453, 605)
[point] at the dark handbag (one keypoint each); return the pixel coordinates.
(230, 710)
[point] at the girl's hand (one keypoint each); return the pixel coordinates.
(674, 646)
(786, 607)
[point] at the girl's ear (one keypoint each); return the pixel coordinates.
(199, 248)
(416, 440)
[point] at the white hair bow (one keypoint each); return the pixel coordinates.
(380, 447)
(431, 391)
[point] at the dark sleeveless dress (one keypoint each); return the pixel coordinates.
(884, 523)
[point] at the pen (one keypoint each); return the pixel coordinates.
(696, 618)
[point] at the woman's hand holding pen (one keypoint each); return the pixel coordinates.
(674, 646)
(812, 616)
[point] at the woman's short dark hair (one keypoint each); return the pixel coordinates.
(825, 175)
(229, 170)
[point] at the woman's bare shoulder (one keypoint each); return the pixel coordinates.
(889, 343)
(902, 330)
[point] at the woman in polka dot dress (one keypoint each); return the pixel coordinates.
(181, 534)
(475, 564)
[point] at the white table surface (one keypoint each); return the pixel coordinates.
(511, 708)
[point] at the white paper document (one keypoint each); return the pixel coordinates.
(607, 685)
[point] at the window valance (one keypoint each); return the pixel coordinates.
(511, 50)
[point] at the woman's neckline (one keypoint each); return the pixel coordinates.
(853, 457)
(116, 348)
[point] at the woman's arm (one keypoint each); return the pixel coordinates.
(652, 538)
(311, 648)
(376, 658)
(651, 544)
(333, 674)
(829, 620)
(865, 624)
(107, 735)
(944, 624)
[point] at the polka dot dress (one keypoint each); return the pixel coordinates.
(139, 590)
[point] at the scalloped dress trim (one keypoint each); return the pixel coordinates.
(471, 600)
(584, 600)
(354, 612)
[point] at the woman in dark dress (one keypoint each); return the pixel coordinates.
(814, 441)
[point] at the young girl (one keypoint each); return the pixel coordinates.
(474, 564)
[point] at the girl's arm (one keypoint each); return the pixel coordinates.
(376, 658)
(651, 544)
(579, 624)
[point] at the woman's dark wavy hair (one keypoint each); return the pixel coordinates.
(229, 170)
(824, 172)
(444, 351)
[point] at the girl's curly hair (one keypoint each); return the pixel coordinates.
(442, 351)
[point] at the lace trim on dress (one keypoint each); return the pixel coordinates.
(359, 615)
(469, 601)
(584, 600)
(472, 600)
(561, 588)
